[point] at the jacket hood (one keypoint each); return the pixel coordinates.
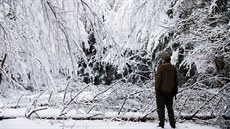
(168, 66)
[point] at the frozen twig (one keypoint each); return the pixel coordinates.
(91, 109)
(19, 101)
(74, 98)
(30, 111)
(126, 98)
(224, 87)
(101, 92)
(50, 96)
(65, 92)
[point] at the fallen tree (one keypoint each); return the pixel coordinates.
(117, 118)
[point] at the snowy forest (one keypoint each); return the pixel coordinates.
(96, 59)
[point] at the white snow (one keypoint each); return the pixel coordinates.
(23, 123)
(34, 123)
(43, 41)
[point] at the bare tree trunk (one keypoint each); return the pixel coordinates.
(1, 67)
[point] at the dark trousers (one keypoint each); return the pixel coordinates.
(162, 101)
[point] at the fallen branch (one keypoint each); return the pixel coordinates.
(30, 112)
(20, 106)
(119, 118)
(226, 117)
(11, 107)
(5, 118)
(210, 99)
(17, 106)
(101, 93)
(150, 113)
(65, 92)
(50, 97)
(133, 119)
(73, 98)
(126, 98)
(192, 117)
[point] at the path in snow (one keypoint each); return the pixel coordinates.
(23, 123)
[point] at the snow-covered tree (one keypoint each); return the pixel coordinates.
(72, 45)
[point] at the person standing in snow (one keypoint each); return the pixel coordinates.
(166, 88)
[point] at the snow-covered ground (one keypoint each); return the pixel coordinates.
(24, 123)
(34, 123)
